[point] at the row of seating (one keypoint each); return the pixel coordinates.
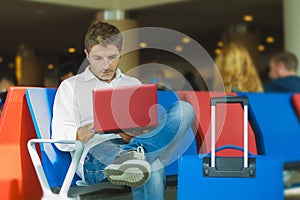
(273, 120)
(273, 129)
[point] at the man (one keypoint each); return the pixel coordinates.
(283, 69)
(124, 159)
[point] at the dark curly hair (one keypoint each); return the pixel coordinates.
(102, 33)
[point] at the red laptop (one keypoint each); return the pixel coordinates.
(125, 108)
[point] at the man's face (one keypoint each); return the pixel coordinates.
(273, 74)
(104, 61)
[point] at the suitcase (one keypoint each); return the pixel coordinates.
(207, 176)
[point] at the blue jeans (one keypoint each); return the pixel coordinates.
(159, 145)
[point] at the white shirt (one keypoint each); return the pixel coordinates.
(73, 108)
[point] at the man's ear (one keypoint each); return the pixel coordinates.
(281, 68)
(86, 53)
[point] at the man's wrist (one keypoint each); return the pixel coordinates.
(91, 130)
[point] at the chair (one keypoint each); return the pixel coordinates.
(188, 145)
(277, 126)
(296, 104)
(227, 180)
(18, 179)
(55, 172)
(229, 123)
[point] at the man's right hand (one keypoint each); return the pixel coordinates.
(84, 134)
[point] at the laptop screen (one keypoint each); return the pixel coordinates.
(125, 108)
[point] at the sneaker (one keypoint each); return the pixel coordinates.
(129, 169)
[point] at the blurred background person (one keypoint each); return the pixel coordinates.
(66, 70)
(7, 79)
(283, 73)
(237, 70)
(161, 81)
(190, 83)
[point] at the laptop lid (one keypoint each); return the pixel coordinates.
(125, 108)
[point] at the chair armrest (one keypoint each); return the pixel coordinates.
(63, 194)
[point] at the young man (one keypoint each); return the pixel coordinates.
(283, 69)
(121, 158)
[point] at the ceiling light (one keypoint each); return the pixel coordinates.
(11, 65)
(50, 66)
(1, 59)
(261, 48)
(220, 44)
(270, 39)
(143, 44)
(71, 50)
(218, 51)
(186, 40)
(248, 18)
(178, 48)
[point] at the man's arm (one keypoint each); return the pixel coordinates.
(127, 136)
(64, 126)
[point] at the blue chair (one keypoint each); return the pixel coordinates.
(228, 179)
(187, 146)
(276, 123)
(56, 171)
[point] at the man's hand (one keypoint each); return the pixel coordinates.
(84, 134)
(127, 136)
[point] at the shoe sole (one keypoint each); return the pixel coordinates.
(132, 173)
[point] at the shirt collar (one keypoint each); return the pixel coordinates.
(88, 75)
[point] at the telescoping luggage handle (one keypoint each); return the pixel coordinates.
(229, 166)
(228, 99)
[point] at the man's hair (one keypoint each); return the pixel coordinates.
(104, 34)
(289, 59)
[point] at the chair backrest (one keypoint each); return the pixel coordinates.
(18, 179)
(277, 124)
(55, 162)
(296, 103)
(229, 124)
(188, 144)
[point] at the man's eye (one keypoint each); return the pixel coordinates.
(98, 58)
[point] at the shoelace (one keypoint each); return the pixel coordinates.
(140, 152)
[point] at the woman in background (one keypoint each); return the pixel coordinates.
(237, 70)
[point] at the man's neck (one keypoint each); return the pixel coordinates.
(288, 73)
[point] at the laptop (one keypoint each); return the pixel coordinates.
(125, 108)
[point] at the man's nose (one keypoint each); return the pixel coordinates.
(106, 64)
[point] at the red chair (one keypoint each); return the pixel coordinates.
(229, 127)
(296, 103)
(18, 179)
